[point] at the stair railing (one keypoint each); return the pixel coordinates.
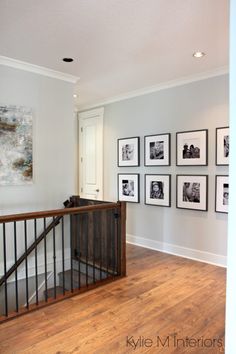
(90, 246)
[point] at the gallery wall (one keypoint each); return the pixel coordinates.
(197, 105)
(54, 152)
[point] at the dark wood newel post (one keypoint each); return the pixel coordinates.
(123, 237)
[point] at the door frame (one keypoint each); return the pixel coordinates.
(82, 116)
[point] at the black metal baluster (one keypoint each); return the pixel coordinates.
(5, 268)
(63, 253)
(86, 243)
(26, 266)
(45, 262)
(36, 261)
(16, 271)
(71, 251)
(107, 239)
(54, 259)
(94, 240)
(78, 246)
(100, 235)
(78, 229)
(114, 237)
(118, 246)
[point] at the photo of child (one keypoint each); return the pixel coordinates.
(157, 150)
(225, 194)
(128, 187)
(191, 192)
(127, 152)
(156, 190)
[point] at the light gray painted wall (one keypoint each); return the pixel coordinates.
(199, 105)
(54, 139)
(54, 144)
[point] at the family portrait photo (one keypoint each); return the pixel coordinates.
(192, 192)
(226, 146)
(157, 150)
(128, 152)
(225, 194)
(192, 148)
(222, 194)
(157, 190)
(222, 146)
(128, 187)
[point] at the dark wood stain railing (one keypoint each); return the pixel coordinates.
(57, 212)
(97, 251)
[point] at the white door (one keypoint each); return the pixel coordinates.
(91, 154)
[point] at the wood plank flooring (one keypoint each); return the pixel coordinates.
(166, 304)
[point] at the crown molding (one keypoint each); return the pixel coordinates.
(162, 86)
(40, 70)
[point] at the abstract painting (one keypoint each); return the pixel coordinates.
(16, 152)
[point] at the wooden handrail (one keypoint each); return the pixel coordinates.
(57, 212)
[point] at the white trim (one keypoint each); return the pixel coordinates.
(99, 113)
(39, 288)
(196, 255)
(22, 65)
(93, 113)
(162, 86)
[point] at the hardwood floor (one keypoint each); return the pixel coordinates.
(166, 304)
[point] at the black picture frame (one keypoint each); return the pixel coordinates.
(157, 177)
(188, 204)
(135, 140)
(220, 160)
(136, 198)
(166, 140)
(221, 207)
(181, 160)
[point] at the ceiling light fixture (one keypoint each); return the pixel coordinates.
(74, 95)
(68, 60)
(198, 54)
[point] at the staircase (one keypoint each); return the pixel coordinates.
(78, 248)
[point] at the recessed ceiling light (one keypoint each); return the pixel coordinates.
(198, 54)
(74, 95)
(68, 60)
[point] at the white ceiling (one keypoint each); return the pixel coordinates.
(118, 45)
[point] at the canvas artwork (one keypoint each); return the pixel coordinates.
(16, 153)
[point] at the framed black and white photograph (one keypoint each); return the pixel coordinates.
(222, 194)
(128, 187)
(157, 150)
(128, 152)
(158, 190)
(222, 146)
(192, 192)
(192, 148)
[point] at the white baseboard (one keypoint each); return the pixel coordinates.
(196, 255)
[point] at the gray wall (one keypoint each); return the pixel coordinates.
(54, 141)
(198, 105)
(54, 155)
